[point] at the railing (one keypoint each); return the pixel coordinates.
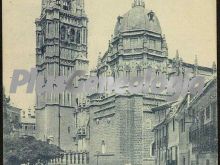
(71, 158)
(204, 138)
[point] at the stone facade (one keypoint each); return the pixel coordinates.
(203, 133)
(111, 128)
(124, 124)
(61, 48)
(186, 131)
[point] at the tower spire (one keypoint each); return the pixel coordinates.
(138, 3)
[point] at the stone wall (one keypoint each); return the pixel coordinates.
(120, 122)
(104, 127)
(47, 125)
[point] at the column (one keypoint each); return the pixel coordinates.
(66, 159)
(70, 160)
(77, 162)
(74, 158)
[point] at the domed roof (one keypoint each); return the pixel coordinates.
(138, 18)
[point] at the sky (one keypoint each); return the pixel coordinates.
(189, 26)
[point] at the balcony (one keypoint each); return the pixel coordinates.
(204, 138)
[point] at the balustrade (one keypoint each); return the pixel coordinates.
(71, 159)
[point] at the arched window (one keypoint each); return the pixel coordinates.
(72, 35)
(58, 2)
(138, 72)
(127, 73)
(97, 121)
(207, 162)
(103, 146)
(67, 5)
(78, 35)
(63, 32)
(153, 149)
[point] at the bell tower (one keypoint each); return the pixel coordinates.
(61, 48)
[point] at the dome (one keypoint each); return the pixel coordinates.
(138, 18)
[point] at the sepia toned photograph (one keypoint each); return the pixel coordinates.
(109, 82)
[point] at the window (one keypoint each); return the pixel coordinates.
(202, 116)
(138, 73)
(25, 127)
(68, 130)
(97, 121)
(173, 124)
(128, 73)
(103, 146)
(207, 113)
(72, 35)
(58, 2)
(163, 131)
(207, 162)
(49, 27)
(193, 113)
(153, 149)
(78, 36)
(63, 33)
(66, 5)
(68, 98)
(182, 125)
(84, 36)
(109, 120)
(184, 160)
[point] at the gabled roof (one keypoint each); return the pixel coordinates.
(163, 106)
(173, 110)
(207, 86)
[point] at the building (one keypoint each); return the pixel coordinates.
(28, 123)
(61, 48)
(11, 117)
(104, 126)
(123, 123)
(186, 130)
(166, 134)
(203, 133)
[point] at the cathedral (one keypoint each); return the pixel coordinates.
(103, 127)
